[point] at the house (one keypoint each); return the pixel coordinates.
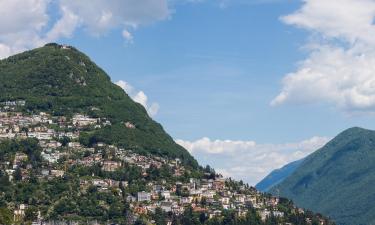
(264, 214)
(100, 183)
(166, 206)
(166, 194)
(81, 120)
(44, 172)
(53, 144)
(225, 200)
(186, 200)
(208, 194)
(4, 165)
(131, 198)
(20, 212)
(277, 214)
(240, 198)
(143, 196)
(20, 157)
(51, 157)
(57, 173)
(273, 202)
(16, 129)
(176, 209)
(100, 144)
(157, 188)
(74, 145)
(214, 213)
(218, 184)
(10, 173)
(129, 125)
(110, 166)
(226, 206)
(41, 135)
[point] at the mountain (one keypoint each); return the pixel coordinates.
(75, 149)
(63, 81)
(277, 176)
(337, 180)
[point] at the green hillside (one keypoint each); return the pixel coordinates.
(337, 180)
(75, 149)
(62, 81)
(277, 176)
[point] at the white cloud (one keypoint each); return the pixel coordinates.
(351, 20)
(340, 69)
(21, 23)
(127, 35)
(27, 24)
(5, 51)
(99, 16)
(247, 160)
(153, 109)
(64, 27)
(126, 86)
(139, 97)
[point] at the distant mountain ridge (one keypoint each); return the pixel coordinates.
(61, 80)
(337, 180)
(277, 176)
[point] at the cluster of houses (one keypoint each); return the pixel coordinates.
(209, 196)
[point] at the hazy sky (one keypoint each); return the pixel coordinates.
(245, 85)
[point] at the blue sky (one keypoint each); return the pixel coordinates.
(215, 73)
(205, 63)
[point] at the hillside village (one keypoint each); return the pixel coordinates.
(62, 152)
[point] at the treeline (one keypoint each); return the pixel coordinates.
(229, 217)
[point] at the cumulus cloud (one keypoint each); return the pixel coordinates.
(20, 26)
(247, 160)
(27, 24)
(99, 16)
(340, 68)
(139, 97)
(64, 27)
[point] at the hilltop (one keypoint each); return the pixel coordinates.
(338, 179)
(61, 80)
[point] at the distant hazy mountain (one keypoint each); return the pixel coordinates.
(338, 180)
(277, 176)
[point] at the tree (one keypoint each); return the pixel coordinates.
(4, 181)
(115, 210)
(204, 201)
(159, 217)
(203, 218)
(188, 218)
(17, 174)
(64, 141)
(229, 218)
(140, 222)
(252, 217)
(6, 217)
(31, 213)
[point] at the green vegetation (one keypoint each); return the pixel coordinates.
(337, 180)
(75, 148)
(75, 197)
(63, 81)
